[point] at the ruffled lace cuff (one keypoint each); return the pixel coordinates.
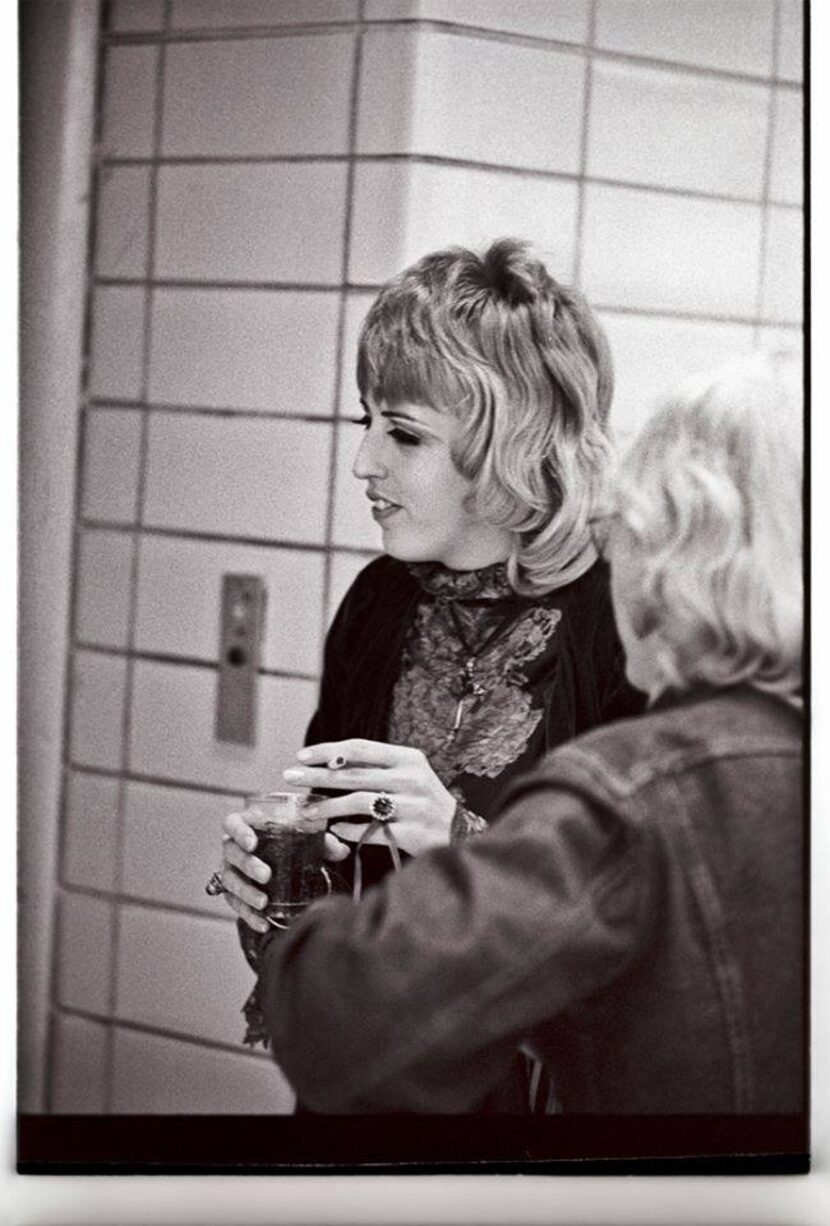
(253, 946)
(465, 823)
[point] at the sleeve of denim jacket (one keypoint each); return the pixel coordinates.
(415, 998)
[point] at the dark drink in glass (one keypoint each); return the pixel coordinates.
(290, 841)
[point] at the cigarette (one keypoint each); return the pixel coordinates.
(335, 763)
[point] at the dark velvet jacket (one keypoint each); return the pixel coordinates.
(636, 916)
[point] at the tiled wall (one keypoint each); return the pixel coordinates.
(261, 167)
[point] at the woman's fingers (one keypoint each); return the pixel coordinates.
(251, 866)
(238, 886)
(245, 913)
(239, 830)
(334, 850)
(349, 779)
(355, 804)
(353, 752)
(351, 832)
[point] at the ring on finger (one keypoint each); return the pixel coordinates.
(383, 808)
(213, 885)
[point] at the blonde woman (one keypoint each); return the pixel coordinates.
(636, 915)
(484, 636)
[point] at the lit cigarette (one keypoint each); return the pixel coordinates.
(334, 764)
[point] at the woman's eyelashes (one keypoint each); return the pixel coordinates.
(404, 437)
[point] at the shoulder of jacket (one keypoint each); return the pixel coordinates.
(618, 760)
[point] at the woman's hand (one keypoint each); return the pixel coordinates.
(423, 807)
(243, 874)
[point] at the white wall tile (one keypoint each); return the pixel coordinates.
(657, 251)
(84, 952)
(651, 355)
(566, 20)
(251, 223)
(476, 99)
(357, 307)
(387, 98)
(734, 36)
(173, 729)
(190, 14)
(243, 476)
(259, 96)
(791, 45)
(345, 567)
(112, 448)
(784, 271)
(90, 829)
(129, 101)
(79, 1069)
(172, 844)
(156, 1075)
(353, 523)
(179, 600)
(404, 210)
(98, 686)
(247, 349)
(785, 340)
(103, 608)
(123, 221)
(181, 973)
(691, 132)
(117, 342)
(131, 15)
(787, 179)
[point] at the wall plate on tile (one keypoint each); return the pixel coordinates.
(240, 649)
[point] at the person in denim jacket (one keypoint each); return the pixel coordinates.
(635, 918)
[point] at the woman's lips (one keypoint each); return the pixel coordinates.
(382, 508)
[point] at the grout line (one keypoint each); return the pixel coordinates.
(141, 902)
(201, 410)
(766, 180)
(158, 657)
(217, 538)
(106, 772)
(180, 283)
(425, 159)
(695, 316)
(481, 33)
(126, 710)
(348, 219)
(95, 172)
(161, 1032)
(579, 228)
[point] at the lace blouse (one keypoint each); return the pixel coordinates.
(464, 616)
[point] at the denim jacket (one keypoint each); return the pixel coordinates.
(635, 917)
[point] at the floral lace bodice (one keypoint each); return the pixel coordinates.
(498, 722)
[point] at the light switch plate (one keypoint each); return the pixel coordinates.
(240, 649)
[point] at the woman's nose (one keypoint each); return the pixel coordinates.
(368, 462)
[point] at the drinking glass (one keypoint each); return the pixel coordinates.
(290, 841)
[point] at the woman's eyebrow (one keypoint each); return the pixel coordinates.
(416, 421)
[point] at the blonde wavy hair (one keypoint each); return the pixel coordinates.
(711, 495)
(524, 364)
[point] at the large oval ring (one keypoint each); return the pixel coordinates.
(214, 884)
(382, 808)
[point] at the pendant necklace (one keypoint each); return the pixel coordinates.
(470, 688)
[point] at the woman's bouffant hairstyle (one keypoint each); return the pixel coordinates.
(525, 366)
(711, 495)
